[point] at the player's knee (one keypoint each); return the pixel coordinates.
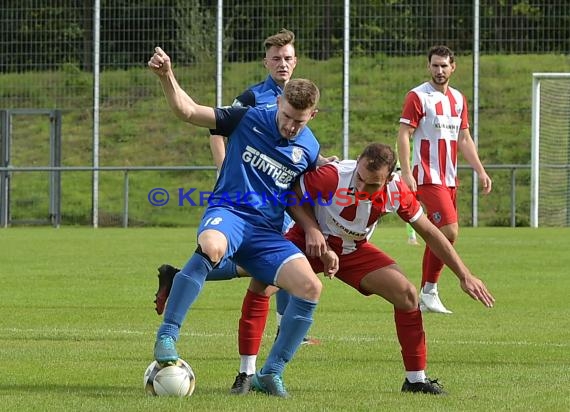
(312, 288)
(452, 237)
(262, 289)
(211, 252)
(408, 299)
(451, 232)
(212, 244)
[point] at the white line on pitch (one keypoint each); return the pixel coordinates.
(93, 333)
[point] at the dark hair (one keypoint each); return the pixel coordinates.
(442, 51)
(301, 94)
(377, 156)
(280, 39)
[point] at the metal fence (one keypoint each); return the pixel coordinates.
(176, 195)
(88, 60)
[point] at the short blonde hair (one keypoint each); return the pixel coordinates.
(301, 94)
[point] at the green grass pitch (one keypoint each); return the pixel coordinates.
(78, 328)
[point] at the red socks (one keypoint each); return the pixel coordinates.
(431, 267)
(410, 331)
(254, 311)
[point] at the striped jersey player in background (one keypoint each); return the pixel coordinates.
(435, 117)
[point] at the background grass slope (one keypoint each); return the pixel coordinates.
(137, 128)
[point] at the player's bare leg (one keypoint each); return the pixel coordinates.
(391, 284)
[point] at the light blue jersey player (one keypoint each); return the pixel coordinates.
(267, 150)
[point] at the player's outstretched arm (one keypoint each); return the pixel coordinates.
(439, 244)
(404, 135)
(183, 106)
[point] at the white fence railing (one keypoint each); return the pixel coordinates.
(54, 216)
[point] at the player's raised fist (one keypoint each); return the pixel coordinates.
(159, 63)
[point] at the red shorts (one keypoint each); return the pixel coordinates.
(440, 203)
(352, 267)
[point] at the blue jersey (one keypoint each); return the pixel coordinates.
(263, 94)
(260, 165)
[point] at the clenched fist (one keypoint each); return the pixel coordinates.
(159, 63)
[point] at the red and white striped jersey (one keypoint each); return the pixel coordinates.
(344, 221)
(437, 118)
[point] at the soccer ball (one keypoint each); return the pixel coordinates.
(174, 380)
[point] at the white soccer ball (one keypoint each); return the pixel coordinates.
(175, 380)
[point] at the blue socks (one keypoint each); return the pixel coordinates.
(185, 289)
(295, 324)
(226, 272)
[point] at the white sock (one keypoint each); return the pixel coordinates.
(416, 376)
(247, 364)
(428, 287)
(278, 317)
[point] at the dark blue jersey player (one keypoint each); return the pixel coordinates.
(267, 149)
(263, 94)
(280, 60)
(261, 162)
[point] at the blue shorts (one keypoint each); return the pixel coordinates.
(260, 251)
